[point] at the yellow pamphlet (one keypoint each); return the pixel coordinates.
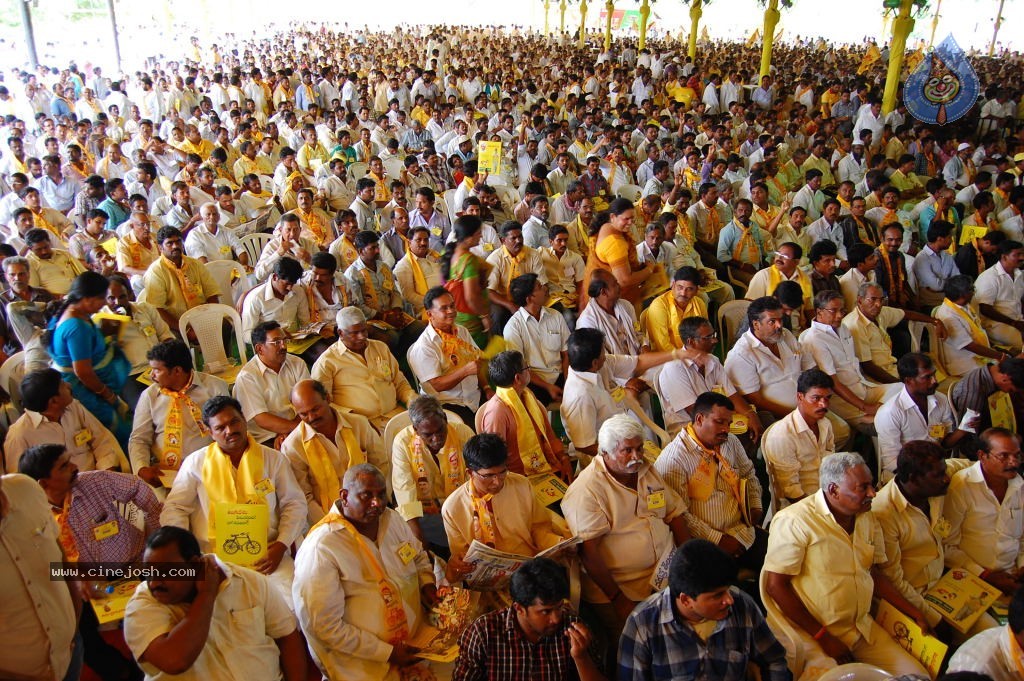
(241, 532)
(547, 488)
(961, 598)
(489, 158)
(928, 650)
(112, 599)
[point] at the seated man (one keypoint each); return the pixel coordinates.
(236, 469)
(699, 620)
(327, 290)
(286, 242)
(445, 360)
(629, 520)
(666, 311)
(279, 299)
(507, 263)
(491, 646)
(863, 261)
(137, 249)
(785, 267)
(209, 241)
(794, 446)
(611, 314)
(917, 412)
(50, 269)
(362, 375)
(264, 383)
(979, 254)
(823, 566)
(325, 444)
(176, 283)
(985, 511)
(362, 580)
(680, 382)
(191, 628)
(540, 334)
(53, 416)
(967, 346)
(563, 269)
(515, 414)
(933, 266)
(418, 271)
(742, 245)
(494, 507)
(706, 466)
(998, 296)
(987, 390)
(993, 654)
(421, 482)
(823, 257)
(168, 423)
(145, 330)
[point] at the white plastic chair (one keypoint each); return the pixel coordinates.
(730, 316)
(254, 244)
(207, 322)
(27, 322)
(221, 271)
(358, 170)
(629, 191)
(11, 373)
(393, 168)
(855, 671)
(449, 200)
(400, 421)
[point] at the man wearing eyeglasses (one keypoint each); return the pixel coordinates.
(985, 511)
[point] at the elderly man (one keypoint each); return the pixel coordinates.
(418, 271)
(629, 520)
(288, 242)
(225, 622)
(168, 423)
(611, 314)
(706, 466)
(264, 383)
(666, 311)
(540, 334)
(824, 565)
(53, 416)
(325, 444)
(699, 620)
(794, 446)
(917, 412)
(50, 269)
(176, 283)
(521, 420)
(137, 249)
(445, 360)
(235, 469)
(361, 374)
(209, 241)
(427, 467)
(985, 512)
(362, 580)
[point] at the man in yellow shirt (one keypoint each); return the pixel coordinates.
(175, 282)
(50, 269)
(667, 310)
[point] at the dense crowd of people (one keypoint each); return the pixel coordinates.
(752, 342)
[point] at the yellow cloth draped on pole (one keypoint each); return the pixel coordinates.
(914, 60)
(870, 57)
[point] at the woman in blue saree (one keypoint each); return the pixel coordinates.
(95, 368)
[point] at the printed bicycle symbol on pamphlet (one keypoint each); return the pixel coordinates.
(237, 542)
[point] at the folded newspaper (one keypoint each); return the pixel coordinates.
(492, 569)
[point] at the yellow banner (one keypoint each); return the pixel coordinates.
(870, 57)
(754, 37)
(489, 158)
(242, 532)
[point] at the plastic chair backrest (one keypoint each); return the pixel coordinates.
(11, 373)
(221, 271)
(400, 421)
(630, 191)
(730, 317)
(358, 170)
(449, 202)
(254, 244)
(207, 322)
(393, 168)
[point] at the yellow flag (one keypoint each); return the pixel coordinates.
(704, 35)
(870, 57)
(914, 59)
(754, 37)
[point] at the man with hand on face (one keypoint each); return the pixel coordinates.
(225, 622)
(362, 582)
(822, 569)
(699, 622)
(289, 243)
(537, 621)
(235, 469)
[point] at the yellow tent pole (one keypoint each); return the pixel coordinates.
(901, 29)
(995, 32)
(645, 12)
(695, 14)
(771, 20)
(935, 22)
(583, 23)
(609, 10)
(547, 8)
(561, 20)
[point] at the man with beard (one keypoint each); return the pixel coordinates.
(176, 283)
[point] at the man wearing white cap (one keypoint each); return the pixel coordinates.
(853, 166)
(959, 170)
(1018, 168)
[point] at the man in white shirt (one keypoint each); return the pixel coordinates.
(997, 652)
(998, 292)
(540, 334)
(225, 622)
(361, 584)
(917, 412)
(264, 384)
(280, 299)
(611, 315)
(209, 241)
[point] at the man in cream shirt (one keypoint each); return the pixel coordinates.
(418, 271)
(362, 580)
(362, 375)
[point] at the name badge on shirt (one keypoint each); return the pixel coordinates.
(406, 552)
(942, 528)
(83, 437)
(488, 247)
(148, 331)
(656, 500)
(225, 250)
(436, 231)
(101, 532)
(937, 432)
(264, 487)
(387, 285)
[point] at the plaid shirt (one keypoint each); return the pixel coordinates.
(494, 648)
(99, 497)
(655, 645)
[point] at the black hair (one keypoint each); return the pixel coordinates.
(910, 364)
(813, 378)
(38, 388)
(539, 581)
(188, 545)
(584, 347)
(521, 288)
(504, 367)
(171, 353)
(916, 458)
(260, 331)
(699, 567)
(485, 450)
(433, 294)
(289, 269)
(217, 404)
(38, 462)
(705, 402)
